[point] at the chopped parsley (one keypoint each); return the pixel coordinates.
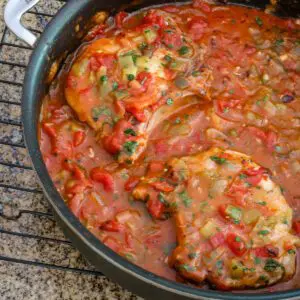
(243, 176)
(168, 58)
(162, 199)
(187, 268)
(192, 255)
(187, 201)
(218, 160)
(98, 111)
(115, 85)
(177, 121)
(170, 101)
(271, 265)
(279, 42)
(130, 131)
(103, 78)
(257, 260)
(291, 251)
(259, 21)
(263, 203)
(130, 147)
(130, 77)
(183, 50)
(237, 239)
(263, 232)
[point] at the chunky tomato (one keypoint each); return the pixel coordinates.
(236, 244)
(217, 240)
(155, 207)
(266, 251)
(197, 27)
(104, 177)
(112, 226)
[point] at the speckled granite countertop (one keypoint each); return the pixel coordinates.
(36, 260)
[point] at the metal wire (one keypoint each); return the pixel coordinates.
(16, 126)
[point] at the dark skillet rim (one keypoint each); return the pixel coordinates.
(30, 135)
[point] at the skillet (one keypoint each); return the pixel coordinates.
(60, 38)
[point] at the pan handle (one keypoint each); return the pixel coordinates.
(13, 12)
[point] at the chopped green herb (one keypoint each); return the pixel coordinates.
(218, 160)
(263, 278)
(183, 50)
(115, 85)
(98, 111)
(170, 101)
(130, 77)
(169, 248)
(103, 78)
(143, 45)
(263, 203)
(219, 264)
(130, 147)
(231, 91)
(263, 232)
(281, 189)
(237, 239)
(187, 201)
(271, 265)
(192, 255)
(162, 199)
(177, 121)
(130, 131)
(168, 58)
(279, 42)
(196, 73)
(257, 260)
(291, 251)
(187, 268)
(259, 21)
(235, 213)
(243, 176)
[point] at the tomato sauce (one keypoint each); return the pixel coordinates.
(200, 76)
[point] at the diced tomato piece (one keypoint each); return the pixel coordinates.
(138, 114)
(217, 239)
(129, 240)
(254, 176)
(156, 167)
(113, 143)
(112, 243)
(228, 103)
(75, 204)
(98, 29)
(77, 171)
(152, 18)
(170, 9)
(102, 176)
(155, 207)
(49, 129)
(172, 39)
(131, 183)
(112, 226)
(162, 186)
(237, 191)
(106, 60)
(197, 27)
(78, 138)
(145, 79)
(94, 64)
(202, 5)
(296, 226)
(271, 140)
(119, 18)
(236, 244)
(266, 251)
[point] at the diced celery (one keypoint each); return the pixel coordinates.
(143, 62)
(236, 269)
(126, 61)
(150, 35)
(234, 212)
(208, 229)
